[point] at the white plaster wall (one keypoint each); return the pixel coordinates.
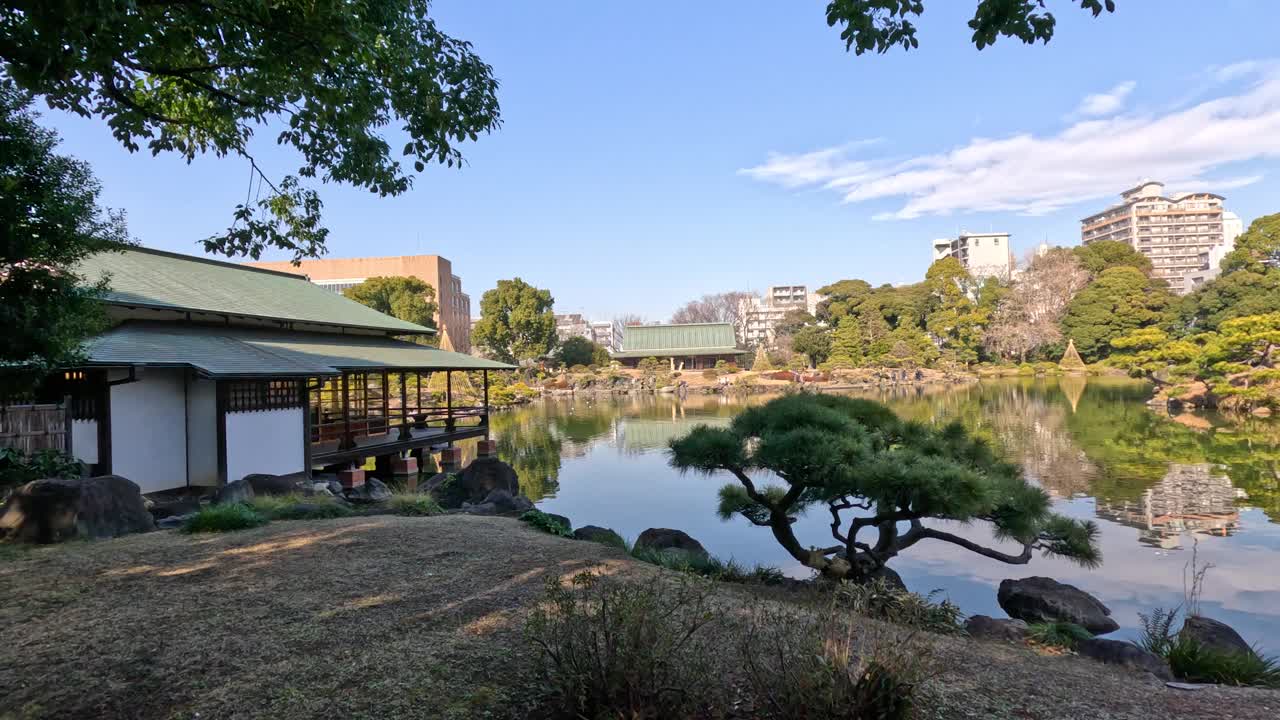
(202, 432)
(84, 440)
(149, 428)
(264, 441)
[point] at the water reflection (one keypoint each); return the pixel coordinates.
(1154, 485)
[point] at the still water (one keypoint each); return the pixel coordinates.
(1157, 487)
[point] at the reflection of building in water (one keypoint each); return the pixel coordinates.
(1194, 498)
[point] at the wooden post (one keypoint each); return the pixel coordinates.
(405, 433)
(348, 441)
(448, 400)
(484, 419)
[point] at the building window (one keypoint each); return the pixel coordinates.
(247, 395)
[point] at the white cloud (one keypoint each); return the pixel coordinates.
(1105, 103)
(1086, 161)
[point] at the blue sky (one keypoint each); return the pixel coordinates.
(651, 153)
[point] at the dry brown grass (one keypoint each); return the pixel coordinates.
(394, 617)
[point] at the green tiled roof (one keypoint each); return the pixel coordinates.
(242, 352)
(667, 340)
(155, 279)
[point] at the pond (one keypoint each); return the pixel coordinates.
(1158, 488)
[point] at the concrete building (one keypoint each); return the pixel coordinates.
(600, 332)
(1179, 232)
(982, 254)
(453, 316)
(761, 315)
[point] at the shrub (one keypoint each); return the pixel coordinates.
(709, 567)
(414, 505)
(1193, 662)
(546, 523)
(710, 374)
(224, 518)
(1058, 634)
(882, 600)
(800, 664)
(19, 468)
(612, 649)
(298, 507)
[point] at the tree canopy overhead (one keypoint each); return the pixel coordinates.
(49, 221)
(328, 77)
(880, 478)
(881, 25)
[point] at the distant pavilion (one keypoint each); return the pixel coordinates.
(692, 346)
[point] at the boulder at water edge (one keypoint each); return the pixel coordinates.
(983, 627)
(1214, 635)
(1043, 600)
(597, 534)
(668, 539)
(499, 502)
(473, 483)
(1115, 652)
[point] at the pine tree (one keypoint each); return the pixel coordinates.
(846, 344)
(761, 363)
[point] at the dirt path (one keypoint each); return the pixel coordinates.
(392, 617)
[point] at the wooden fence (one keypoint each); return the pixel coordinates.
(31, 428)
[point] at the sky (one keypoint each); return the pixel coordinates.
(653, 152)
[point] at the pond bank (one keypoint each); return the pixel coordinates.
(393, 617)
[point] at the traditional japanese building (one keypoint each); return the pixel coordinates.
(693, 346)
(213, 370)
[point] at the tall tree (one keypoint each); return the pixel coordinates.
(1119, 301)
(1027, 318)
(1098, 256)
(200, 77)
(880, 25)
(578, 350)
(813, 342)
(954, 318)
(847, 349)
(881, 479)
(516, 322)
(407, 298)
(727, 307)
(51, 221)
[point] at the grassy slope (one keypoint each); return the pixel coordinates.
(395, 617)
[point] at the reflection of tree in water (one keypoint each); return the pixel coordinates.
(526, 441)
(1190, 498)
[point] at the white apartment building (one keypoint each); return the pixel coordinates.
(1184, 234)
(762, 314)
(602, 333)
(982, 254)
(577, 325)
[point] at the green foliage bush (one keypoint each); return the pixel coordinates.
(709, 567)
(298, 507)
(710, 374)
(1058, 634)
(883, 600)
(547, 524)
(19, 468)
(1193, 662)
(224, 518)
(414, 505)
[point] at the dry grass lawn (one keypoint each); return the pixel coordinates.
(391, 617)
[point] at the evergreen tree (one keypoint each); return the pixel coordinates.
(516, 322)
(953, 316)
(846, 344)
(1120, 300)
(761, 363)
(877, 475)
(407, 298)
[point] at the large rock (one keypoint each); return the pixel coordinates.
(1115, 652)
(42, 511)
(1042, 600)
(372, 491)
(237, 491)
(499, 502)
(172, 506)
(111, 506)
(264, 484)
(668, 539)
(1214, 635)
(984, 627)
(597, 534)
(46, 511)
(473, 483)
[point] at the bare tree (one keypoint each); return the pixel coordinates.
(1027, 318)
(728, 307)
